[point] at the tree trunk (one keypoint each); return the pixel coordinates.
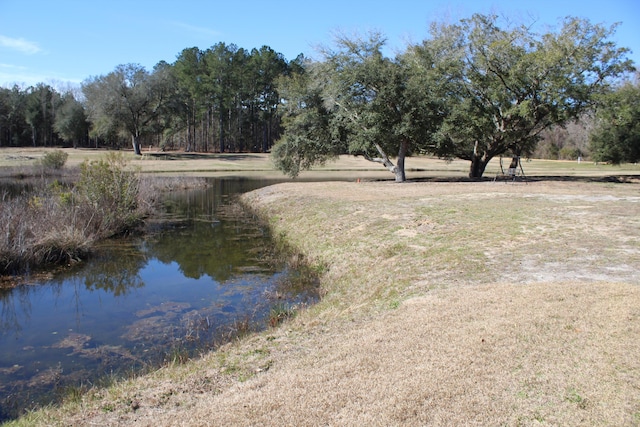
(478, 163)
(477, 168)
(189, 135)
(398, 170)
(136, 144)
(402, 154)
(221, 122)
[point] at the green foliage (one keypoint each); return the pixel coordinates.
(295, 153)
(54, 159)
(509, 84)
(71, 121)
(40, 105)
(473, 90)
(616, 138)
(569, 153)
(234, 90)
(369, 95)
(360, 102)
(109, 188)
(65, 196)
(128, 100)
(308, 140)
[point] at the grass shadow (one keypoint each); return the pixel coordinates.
(616, 179)
(232, 157)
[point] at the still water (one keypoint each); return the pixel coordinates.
(201, 274)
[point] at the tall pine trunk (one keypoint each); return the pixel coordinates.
(221, 128)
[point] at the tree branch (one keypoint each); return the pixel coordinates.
(383, 159)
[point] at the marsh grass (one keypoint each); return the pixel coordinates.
(36, 230)
(58, 222)
(281, 312)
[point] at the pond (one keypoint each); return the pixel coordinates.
(202, 274)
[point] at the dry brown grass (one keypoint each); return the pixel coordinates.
(18, 161)
(445, 303)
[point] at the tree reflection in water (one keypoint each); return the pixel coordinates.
(117, 270)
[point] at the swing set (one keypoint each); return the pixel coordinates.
(513, 172)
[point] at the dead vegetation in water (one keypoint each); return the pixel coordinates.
(57, 224)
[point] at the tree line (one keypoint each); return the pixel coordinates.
(220, 99)
(472, 90)
(41, 116)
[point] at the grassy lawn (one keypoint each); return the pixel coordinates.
(13, 161)
(445, 302)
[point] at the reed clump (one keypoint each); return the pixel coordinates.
(58, 224)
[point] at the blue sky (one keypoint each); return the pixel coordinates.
(63, 41)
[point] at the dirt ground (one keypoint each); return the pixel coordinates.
(444, 304)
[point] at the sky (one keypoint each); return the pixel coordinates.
(64, 42)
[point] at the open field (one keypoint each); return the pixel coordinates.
(14, 160)
(444, 303)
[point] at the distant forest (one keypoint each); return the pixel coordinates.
(222, 99)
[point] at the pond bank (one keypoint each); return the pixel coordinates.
(444, 304)
(205, 271)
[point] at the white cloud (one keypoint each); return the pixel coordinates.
(11, 67)
(11, 75)
(201, 31)
(21, 45)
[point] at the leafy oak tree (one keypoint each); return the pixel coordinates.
(616, 138)
(129, 99)
(360, 102)
(513, 83)
(71, 121)
(307, 140)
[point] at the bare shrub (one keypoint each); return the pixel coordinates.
(61, 246)
(58, 224)
(109, 191)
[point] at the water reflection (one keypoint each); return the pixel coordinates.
(201, 271)
(114, 269)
